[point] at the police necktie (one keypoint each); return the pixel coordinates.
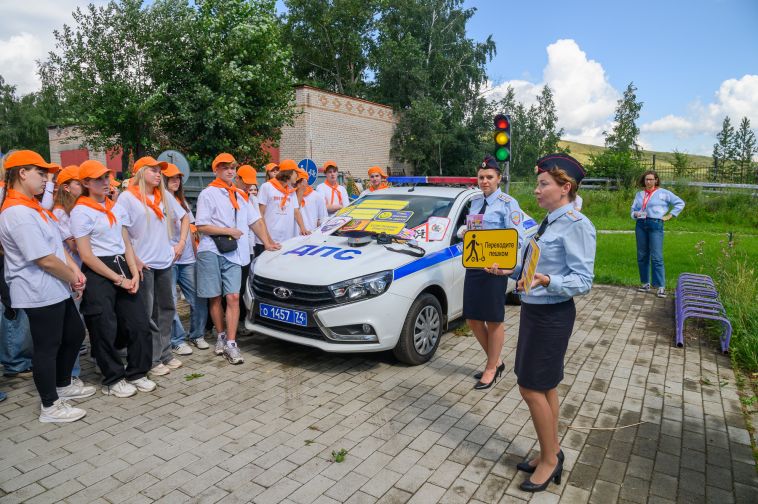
(541, 230)
(484, 207)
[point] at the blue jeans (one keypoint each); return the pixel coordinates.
(15, 343)
(649, 233)
(185, 276)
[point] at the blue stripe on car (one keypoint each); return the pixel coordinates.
(428, 261)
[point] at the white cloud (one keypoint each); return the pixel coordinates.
(584, 98)
(26, 35)
(736, 98)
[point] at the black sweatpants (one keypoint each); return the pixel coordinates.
(57, 333)
(111, 315)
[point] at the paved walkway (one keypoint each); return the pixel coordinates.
(264, 431)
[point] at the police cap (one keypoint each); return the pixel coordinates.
(571, 166)
(489, 162)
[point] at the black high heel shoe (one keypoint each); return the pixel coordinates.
(480, 385)
(500, 370)
(524, 466)
(529, 486)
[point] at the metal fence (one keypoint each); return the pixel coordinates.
(728, 172)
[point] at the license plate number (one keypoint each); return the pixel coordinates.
(295, 317)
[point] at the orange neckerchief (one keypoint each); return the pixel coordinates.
(245, 196)
(13, 198)
(229, 188)
(308, 190)
(383, 185)
(154, 205)
(286, 191)
(335, 190)
(647, 196)
(94, 205)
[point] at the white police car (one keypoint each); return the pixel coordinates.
(338, 294)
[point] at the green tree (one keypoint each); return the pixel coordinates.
(724, 150)
(745, 146)
(623, 136)
(432, 74)
(681, 164)
(331, 41)
(24, 120)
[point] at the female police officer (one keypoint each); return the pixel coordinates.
(484, 292)
(565, 269)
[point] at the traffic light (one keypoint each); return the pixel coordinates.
(502, 137)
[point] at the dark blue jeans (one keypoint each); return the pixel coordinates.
(649, 233)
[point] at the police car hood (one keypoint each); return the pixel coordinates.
(324, 259)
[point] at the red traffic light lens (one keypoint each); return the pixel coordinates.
(501, 122)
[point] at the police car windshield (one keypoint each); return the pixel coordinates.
(422, 207)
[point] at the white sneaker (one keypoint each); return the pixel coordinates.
(174, 363)
(120, 389)
(159, 370)
(144, 384)
(200, 343)
(60, 412)
(75, 390)
(644, 288)
(220, 344)
(232, 353)
(182, 349)
(661, 292)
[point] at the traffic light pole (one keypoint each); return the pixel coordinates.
(507, 175)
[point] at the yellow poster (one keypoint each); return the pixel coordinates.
(484, 247)
(363, 213)
(391, 228)
(383, 204)
(530, 265)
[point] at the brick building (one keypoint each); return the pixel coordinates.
(355, 133)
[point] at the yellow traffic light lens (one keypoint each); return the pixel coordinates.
(501, 138)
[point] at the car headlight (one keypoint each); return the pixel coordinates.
(361, 287)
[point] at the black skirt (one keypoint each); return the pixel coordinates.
(484, 296)
(543, 337)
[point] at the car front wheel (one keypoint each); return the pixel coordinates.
(422, 331)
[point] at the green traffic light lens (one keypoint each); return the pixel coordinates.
(502, 154)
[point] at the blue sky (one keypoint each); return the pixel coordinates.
(693, 61)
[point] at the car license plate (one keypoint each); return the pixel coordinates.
(295, 317)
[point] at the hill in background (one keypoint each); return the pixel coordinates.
(662, 159)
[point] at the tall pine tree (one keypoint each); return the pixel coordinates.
(745, 146)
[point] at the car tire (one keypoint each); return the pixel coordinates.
(422, 331)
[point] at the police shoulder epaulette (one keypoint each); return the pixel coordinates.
(574, 216)
(504, 197)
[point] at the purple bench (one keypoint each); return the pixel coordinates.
(696, 297)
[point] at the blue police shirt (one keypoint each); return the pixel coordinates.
(502, 212)
(659, 204)
(567, 255)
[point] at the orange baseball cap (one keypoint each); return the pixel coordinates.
(301, 174)
(68, 174)
(171, 170)
(329, 164)
(26, 158)
(148, 161)
(248, 174)
(376, 169)
(287, 165)
(92, 169)
(224, 157)
(114, 182)
(271, 166)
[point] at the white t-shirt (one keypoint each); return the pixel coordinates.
(64, 227)
(26, 237)
(326, 192)
(313, 211)
(279, 221)
(148, 234)
(188, 254)
(106, 240)
(252, 238)
(215, 209)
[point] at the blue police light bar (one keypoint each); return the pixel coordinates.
(433, 180)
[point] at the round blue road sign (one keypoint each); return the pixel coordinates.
(310, 168)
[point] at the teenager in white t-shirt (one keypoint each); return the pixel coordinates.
(112, 305)
(222, 212)
(185, 273)
(334, 194)
(149, 213)
(278, 204)
(312, 204)
(377, 181)
(41, 276)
